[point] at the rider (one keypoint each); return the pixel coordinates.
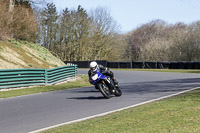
(104, 70)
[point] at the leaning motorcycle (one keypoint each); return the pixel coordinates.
(105, 85)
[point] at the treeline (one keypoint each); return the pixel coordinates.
(73, 34)
(159, 41)
(78, 35)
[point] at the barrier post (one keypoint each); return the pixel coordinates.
(75, 69)
(46, 78)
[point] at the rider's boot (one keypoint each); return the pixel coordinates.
(115, 82)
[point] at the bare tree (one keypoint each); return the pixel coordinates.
(11, 5)
(186, 43)
(141, 36)
(18, 19)
(104, 28)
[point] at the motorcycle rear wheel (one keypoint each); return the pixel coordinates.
(118, 92)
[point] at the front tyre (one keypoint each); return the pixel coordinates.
(103, 88)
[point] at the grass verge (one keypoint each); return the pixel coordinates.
(81, 82)
(163, 70)
(179, 114)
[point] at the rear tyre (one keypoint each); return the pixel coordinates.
(118, 92)
(103, 88)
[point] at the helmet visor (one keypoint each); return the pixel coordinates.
(93, 68)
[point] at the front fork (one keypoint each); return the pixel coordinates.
(105, 87)
(108, 84)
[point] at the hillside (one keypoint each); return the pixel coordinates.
(21, 54)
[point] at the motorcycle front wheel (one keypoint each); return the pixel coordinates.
(104, 90)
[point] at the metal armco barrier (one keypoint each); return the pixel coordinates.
(12, 78)
(141, 64)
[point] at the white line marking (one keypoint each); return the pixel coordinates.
(106, 113)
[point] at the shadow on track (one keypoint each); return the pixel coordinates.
(88, 98)
(87, 91)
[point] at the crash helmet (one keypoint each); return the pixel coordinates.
(93, 66)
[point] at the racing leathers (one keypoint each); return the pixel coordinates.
(105, 71)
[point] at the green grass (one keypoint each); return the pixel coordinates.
(81, 82)
(26, 53)
(163, 70)
(180, 114)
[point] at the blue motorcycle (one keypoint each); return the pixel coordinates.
(105, 85)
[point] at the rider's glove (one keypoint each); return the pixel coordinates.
(90, 81)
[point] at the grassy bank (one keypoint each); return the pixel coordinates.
(80, 82)
(178, 114)
(21, 54)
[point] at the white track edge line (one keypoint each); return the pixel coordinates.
(109, 112)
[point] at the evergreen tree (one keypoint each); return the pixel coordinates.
(49, 26)
(74, 32)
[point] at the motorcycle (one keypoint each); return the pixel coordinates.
(105, 85)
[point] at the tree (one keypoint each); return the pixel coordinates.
(73, 34)
(103, 30)
(186, 43)
(49, 25)
(19, 18)
(11, 5)
(4, 20)
(24, 25)
(141, 36)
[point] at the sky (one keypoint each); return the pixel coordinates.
(131, 14)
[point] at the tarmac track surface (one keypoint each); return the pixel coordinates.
(29, 113)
